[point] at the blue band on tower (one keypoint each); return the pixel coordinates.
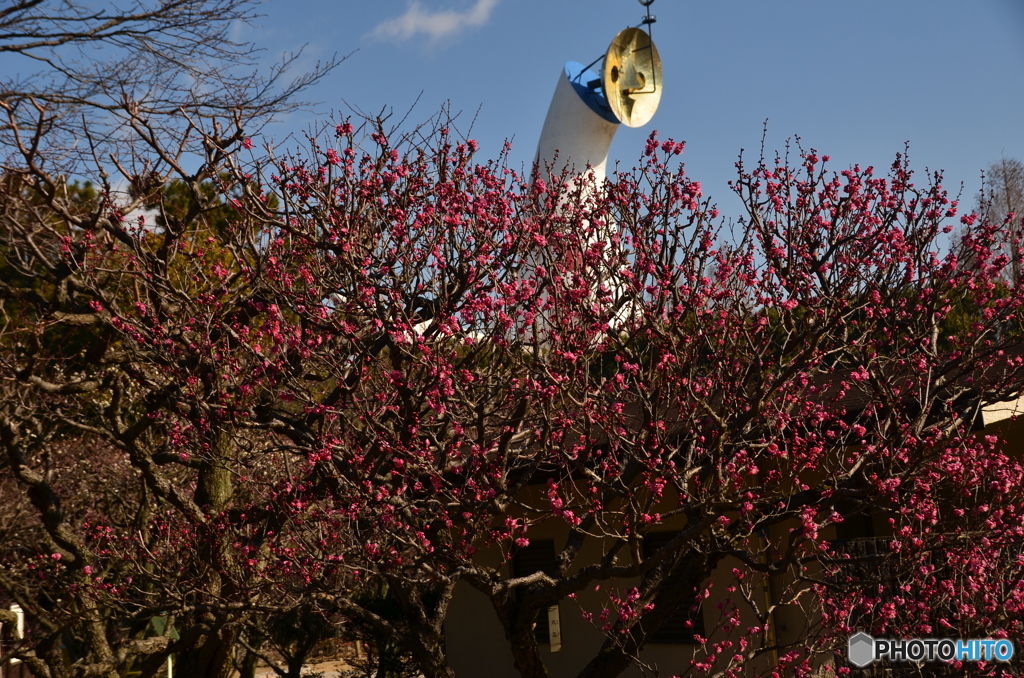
(594, 98)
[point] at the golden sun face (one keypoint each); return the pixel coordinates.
(632, 77)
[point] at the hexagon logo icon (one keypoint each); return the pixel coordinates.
(861, 649)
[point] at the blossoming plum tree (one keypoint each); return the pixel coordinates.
(392, 360)
(806, 370)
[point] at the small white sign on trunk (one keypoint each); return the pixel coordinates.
(554, 629)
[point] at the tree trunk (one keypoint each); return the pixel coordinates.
(211, 656)
(249, 663)
(431, 658)
(518, 621)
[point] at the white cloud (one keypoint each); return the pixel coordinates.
(436, 24)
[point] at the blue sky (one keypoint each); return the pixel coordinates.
(855, 80)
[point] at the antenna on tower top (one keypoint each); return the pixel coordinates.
(649, 18)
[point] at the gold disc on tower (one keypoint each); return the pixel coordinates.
(632, 77)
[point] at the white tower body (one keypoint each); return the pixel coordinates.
(577, 134)
(578, 129)
(585, 112)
